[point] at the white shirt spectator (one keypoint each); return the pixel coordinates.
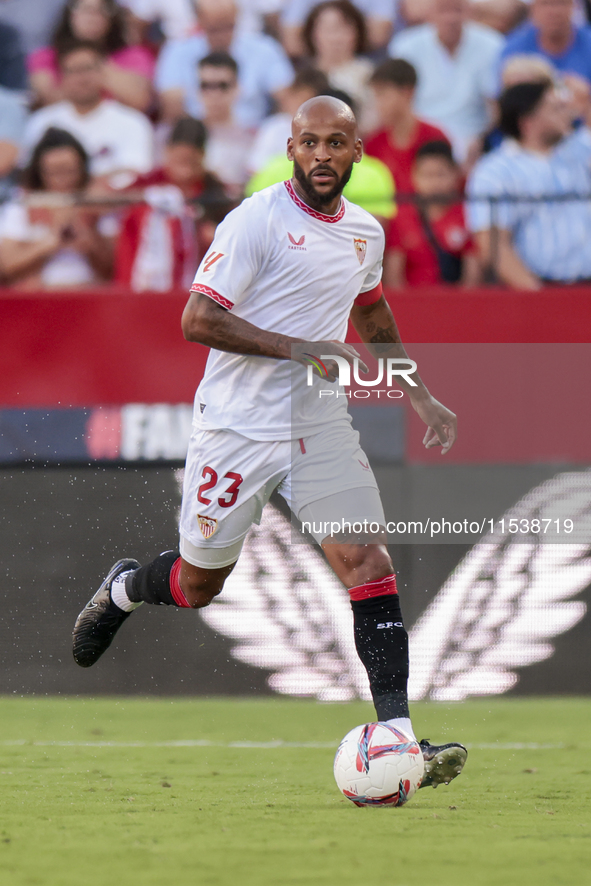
(177, 18)
(270, 140)
(551, 238)
(114, 136)
(67, 267)
(227, 153)
(263, 68)
(13, 115)
(453, 90)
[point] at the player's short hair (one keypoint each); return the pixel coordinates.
(436, 148)
(188, 131)
(313, 79)
(517, 102)
(351, 15)
(395, 72)
(53, 138)
(220, 60)
(76, 46)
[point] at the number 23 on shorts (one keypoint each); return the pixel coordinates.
(211, 478)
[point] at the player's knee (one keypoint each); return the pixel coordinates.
(199, 594)
(372, 561)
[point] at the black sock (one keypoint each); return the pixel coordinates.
(151, 583)
(382, 645)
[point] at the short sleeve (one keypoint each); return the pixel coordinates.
(169, 67)
(487, 186)
(13, 117)
(371, 291)
(235, 257)
(135, 149)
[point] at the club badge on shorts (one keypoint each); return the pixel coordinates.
(207, 525)
(360, 249)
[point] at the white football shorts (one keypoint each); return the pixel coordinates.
(230, 478)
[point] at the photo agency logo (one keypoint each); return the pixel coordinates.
(355, 381)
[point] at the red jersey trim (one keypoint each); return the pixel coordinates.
(206, 290)
(320, 216)
(370, 297)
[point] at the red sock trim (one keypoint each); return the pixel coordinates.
(175, 585)
(378, 588)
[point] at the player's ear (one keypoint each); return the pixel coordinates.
(290, 148)
(358, 150)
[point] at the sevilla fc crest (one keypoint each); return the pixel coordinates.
(207, 525)
(360, 249)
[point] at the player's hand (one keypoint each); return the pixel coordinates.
(313, 354)
(442, 424)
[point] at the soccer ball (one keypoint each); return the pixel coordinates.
(378, 765)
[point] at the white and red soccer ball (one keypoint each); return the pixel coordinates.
(378, 765)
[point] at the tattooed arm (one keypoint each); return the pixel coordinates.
(207, 323)
(376, 326)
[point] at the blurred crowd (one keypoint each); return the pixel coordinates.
(129, 129)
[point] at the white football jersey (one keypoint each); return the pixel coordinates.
(285, 268)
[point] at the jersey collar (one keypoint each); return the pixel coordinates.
(320, 216)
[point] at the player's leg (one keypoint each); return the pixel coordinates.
(215, 519)
(168, 580)
(382, 645)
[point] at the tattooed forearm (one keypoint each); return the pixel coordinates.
(383, 335)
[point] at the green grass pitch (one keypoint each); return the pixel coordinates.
(95, 793)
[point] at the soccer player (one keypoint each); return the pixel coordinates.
(286, 270)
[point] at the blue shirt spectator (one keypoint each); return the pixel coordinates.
(526, 237)
(13, 73)
(263, 67)
(13, 116)
(456, 63)
(552, 34)
(34, 20)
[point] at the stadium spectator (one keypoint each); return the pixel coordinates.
(271, 138)
(176, 19)
(13, 116)
(401, 132)
(428, 242)
(127, 71)
(13, 73)
(228, 143)
(379, 16)
(501, 15)
(116, 138)
(529, 241)
(516, 69)
(551, 33)
(33, 20)
(163, 238)
(456, 63)
(46, 244)
(264, 69)
(335, 36)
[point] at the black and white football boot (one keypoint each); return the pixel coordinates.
(100, 620)
(442, 762)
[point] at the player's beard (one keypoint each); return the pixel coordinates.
(313, 198)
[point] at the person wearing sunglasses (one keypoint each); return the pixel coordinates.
(229, 142)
